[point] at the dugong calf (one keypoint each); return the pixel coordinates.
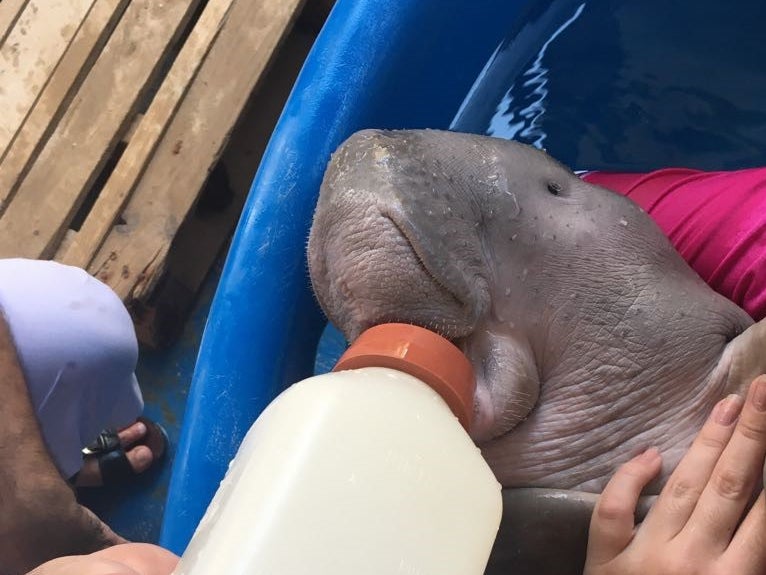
(591, 338)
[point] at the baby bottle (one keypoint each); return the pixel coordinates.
(367, 470)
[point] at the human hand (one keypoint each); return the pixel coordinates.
(126, 559)
(694, 526)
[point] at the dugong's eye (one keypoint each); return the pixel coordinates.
(554, 188)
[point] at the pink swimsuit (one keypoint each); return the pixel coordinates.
(716, 220)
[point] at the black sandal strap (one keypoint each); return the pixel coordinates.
(115, 467)
(107, 441)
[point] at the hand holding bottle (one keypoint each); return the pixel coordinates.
(127, 559)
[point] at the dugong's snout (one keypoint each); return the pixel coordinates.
(378, 238)
(401, 233)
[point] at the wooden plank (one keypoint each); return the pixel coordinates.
(29, 56)
(205, 233)
(10, 10)
(199, 240)
(143, 142)
(132, 262)
(71, 159)
(64, 81)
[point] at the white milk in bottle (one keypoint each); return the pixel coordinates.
(367, 470)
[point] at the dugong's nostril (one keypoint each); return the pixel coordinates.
(554, 188)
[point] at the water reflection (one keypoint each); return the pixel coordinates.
(628, 85)
(520, 111)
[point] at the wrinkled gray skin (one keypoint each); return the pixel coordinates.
(590, 336)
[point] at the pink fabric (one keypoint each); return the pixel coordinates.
(716, 220)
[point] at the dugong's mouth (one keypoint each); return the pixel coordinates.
(429, 268)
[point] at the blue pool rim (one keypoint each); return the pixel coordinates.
(390, 64)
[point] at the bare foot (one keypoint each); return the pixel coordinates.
(140, 456)
(46, 522)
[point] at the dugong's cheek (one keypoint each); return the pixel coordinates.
(507, 385)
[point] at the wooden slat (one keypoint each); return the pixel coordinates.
(65, 79)
(29, 55)
(68, 164)
(144, 140)
(203, 236)
(10, 10)
(132, 262)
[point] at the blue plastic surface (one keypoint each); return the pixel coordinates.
(392, 64)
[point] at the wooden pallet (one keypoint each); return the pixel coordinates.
(115, 112)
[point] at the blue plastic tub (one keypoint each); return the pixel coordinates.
(545, 75)
(390, 64)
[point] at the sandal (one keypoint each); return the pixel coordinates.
(112, 458)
